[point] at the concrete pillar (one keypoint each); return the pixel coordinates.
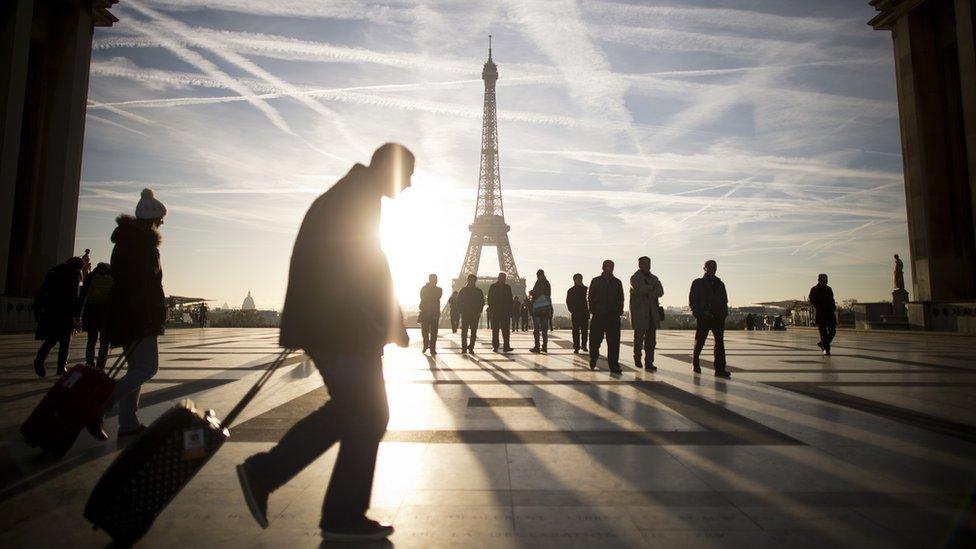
(937, 178)
(15, 25)
(966, 38)
(51, 139)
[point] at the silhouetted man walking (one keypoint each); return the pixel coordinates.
(579, 312)
(541, 298)
(516, 313)
(606, 300)
(822, 299)
(341, 310)
(710, 304)
(454, 311)
(56, 309)
(500, 302)
(470, 302)
(430, 313)
(645, 312)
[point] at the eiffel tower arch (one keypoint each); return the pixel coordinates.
(489, 227)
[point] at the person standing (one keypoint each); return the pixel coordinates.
(470, 302)
(430, 313)
(822, 299)
(579, 313)
(524, 314)
(516, 313)
(541, 299)
(606, 301)
(500, 302)
(56, 309)
(94, 316)
(709, 304)
(645, 312)
(136, 309)
(750, 322)
(202, 315)
(454, 311)
(340, 309)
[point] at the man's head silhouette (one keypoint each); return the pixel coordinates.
(392, 163)
(821, 278)
(472, 280)
(644, 263)
(577, 279)
(502, 277)
(607, 267)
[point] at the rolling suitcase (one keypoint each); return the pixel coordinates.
(75, 399)
(151, 470)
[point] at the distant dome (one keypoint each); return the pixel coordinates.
(248, 304)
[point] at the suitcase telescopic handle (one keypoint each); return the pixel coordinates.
(249, 396)
(121, 360)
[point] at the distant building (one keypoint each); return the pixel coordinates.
(248, 304)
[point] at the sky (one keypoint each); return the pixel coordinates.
(760, 133)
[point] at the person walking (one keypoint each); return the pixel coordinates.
(579, 312)
(709, 304)
(470, 302)
(606, 301)
(56, 307)
(341, 310)
(454, 311)
(430, 313)
(516, 313)
(136, 309)
(541, 299)
(822, 299)
(645, 312)
(524, 314)
(94, 316)
(500, 302)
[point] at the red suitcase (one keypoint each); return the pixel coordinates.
(77, 397)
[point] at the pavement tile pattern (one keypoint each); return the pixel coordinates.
(874, 446)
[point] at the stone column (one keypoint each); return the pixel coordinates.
(15, 26)
(937, 181)
(966, 38)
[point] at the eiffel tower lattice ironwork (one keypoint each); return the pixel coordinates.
(489, 227)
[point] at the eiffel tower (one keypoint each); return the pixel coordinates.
(489, 227)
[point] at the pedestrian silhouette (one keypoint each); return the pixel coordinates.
(516, 313)
(202, 315)
(56, 309)
(500, 302)
(524, 315)
(579, 312)
(750, 322)
(136, 309)
(645, 312)
(470, 302)
(709, 304)
(430, 313)
(606, 301)
(822, 299)
(94, 317)
(340, 308)
(454, 311)
(541, 298)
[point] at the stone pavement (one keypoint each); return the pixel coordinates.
(875, 446)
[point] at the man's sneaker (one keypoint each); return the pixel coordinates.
(637, 362)
(584, 349)
(592, 364)
(696, 367)
(495, 349)
(464, 351)
(575, 351)
(545, 349)
(616, 372)
(96, 429)
(362, 530)
(650, 368)
(827, 351)
(255, 496)
(820, 344)
(723, 374)
(534, 350)
(508, 349)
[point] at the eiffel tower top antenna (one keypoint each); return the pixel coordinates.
(489, 47)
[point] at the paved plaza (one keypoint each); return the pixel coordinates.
(872, 447)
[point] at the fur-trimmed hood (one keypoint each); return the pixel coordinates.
(133, 232)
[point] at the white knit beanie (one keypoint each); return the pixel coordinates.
(148, 207)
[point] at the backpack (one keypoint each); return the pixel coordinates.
(98, 289)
